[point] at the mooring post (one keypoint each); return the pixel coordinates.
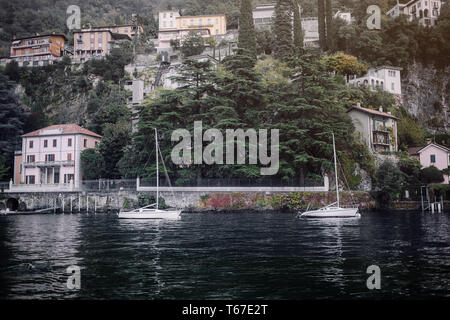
(62, 205)
(87, 204)
(71, 204)
(79, 203)
(54, 205)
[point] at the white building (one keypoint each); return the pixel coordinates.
(426, 11)
(378, 129)
(346, 16)
(138, 94)
(50, 158)
(386, 78)
(264, 15)
(310, 26)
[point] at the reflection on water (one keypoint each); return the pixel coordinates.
(227, 256)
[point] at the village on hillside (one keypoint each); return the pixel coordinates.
(50, 158)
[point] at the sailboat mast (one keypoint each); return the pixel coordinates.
(335, 171)
(157, 169)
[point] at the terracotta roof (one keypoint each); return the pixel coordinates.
(41, 36)
(414, 150)
(417, 150)
(374, 112)
(65, 129)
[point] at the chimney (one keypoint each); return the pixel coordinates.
(380, 109)
(429, 141)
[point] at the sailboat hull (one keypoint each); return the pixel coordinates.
(331, 212)
(151, 214)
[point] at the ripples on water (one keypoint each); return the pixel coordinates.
(225, 256)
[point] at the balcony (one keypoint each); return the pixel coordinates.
(40, 164)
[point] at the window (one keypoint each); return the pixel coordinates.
(49, 158)
(433, 158)
(54, 143)
(217, 20)
(85, 143)
(68, 178)
(69, 157)
(31, 159)
(200, 22)
(35, 63)
(164, 24)
(30, 180)
(69, 142)
(209, 21)
(45, 143)
(164, 15)
(393, 86)
(217, 31)
(192, 22)
(31, 144)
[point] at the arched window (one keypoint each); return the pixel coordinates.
(425, 13)
(420, 13)
(373, 83)
(366, 82)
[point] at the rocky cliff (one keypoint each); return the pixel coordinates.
(426, 95)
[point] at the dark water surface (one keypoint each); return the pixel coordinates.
(225, 256)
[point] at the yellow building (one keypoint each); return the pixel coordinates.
(216, 23)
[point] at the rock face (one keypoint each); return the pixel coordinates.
(426, 94)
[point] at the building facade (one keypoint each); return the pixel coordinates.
(38, 50)
(174, 26)
(432, 154)
(95, 42)
(425, 11)
(377, 129)
(51, 156)
(264, 15)
(387, 78)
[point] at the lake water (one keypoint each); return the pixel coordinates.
(225, 256)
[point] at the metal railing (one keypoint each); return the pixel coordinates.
(106, 185)
(269, 182)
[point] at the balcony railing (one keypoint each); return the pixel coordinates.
(68, 163)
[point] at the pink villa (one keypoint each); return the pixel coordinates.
(50, 158)
(432, 154)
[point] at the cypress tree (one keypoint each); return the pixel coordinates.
(247, 38)
(283, 30)
(329, 23)
(321, 16)
(298, 32)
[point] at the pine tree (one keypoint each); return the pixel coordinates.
(298, 32)
(329, 23)
(283, 30)
(247, 37)
(12, 121)
(321, 17)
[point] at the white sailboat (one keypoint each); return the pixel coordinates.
(148, 212)
(333, 210)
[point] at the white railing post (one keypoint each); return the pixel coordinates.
(10, 185)
(138, 183)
